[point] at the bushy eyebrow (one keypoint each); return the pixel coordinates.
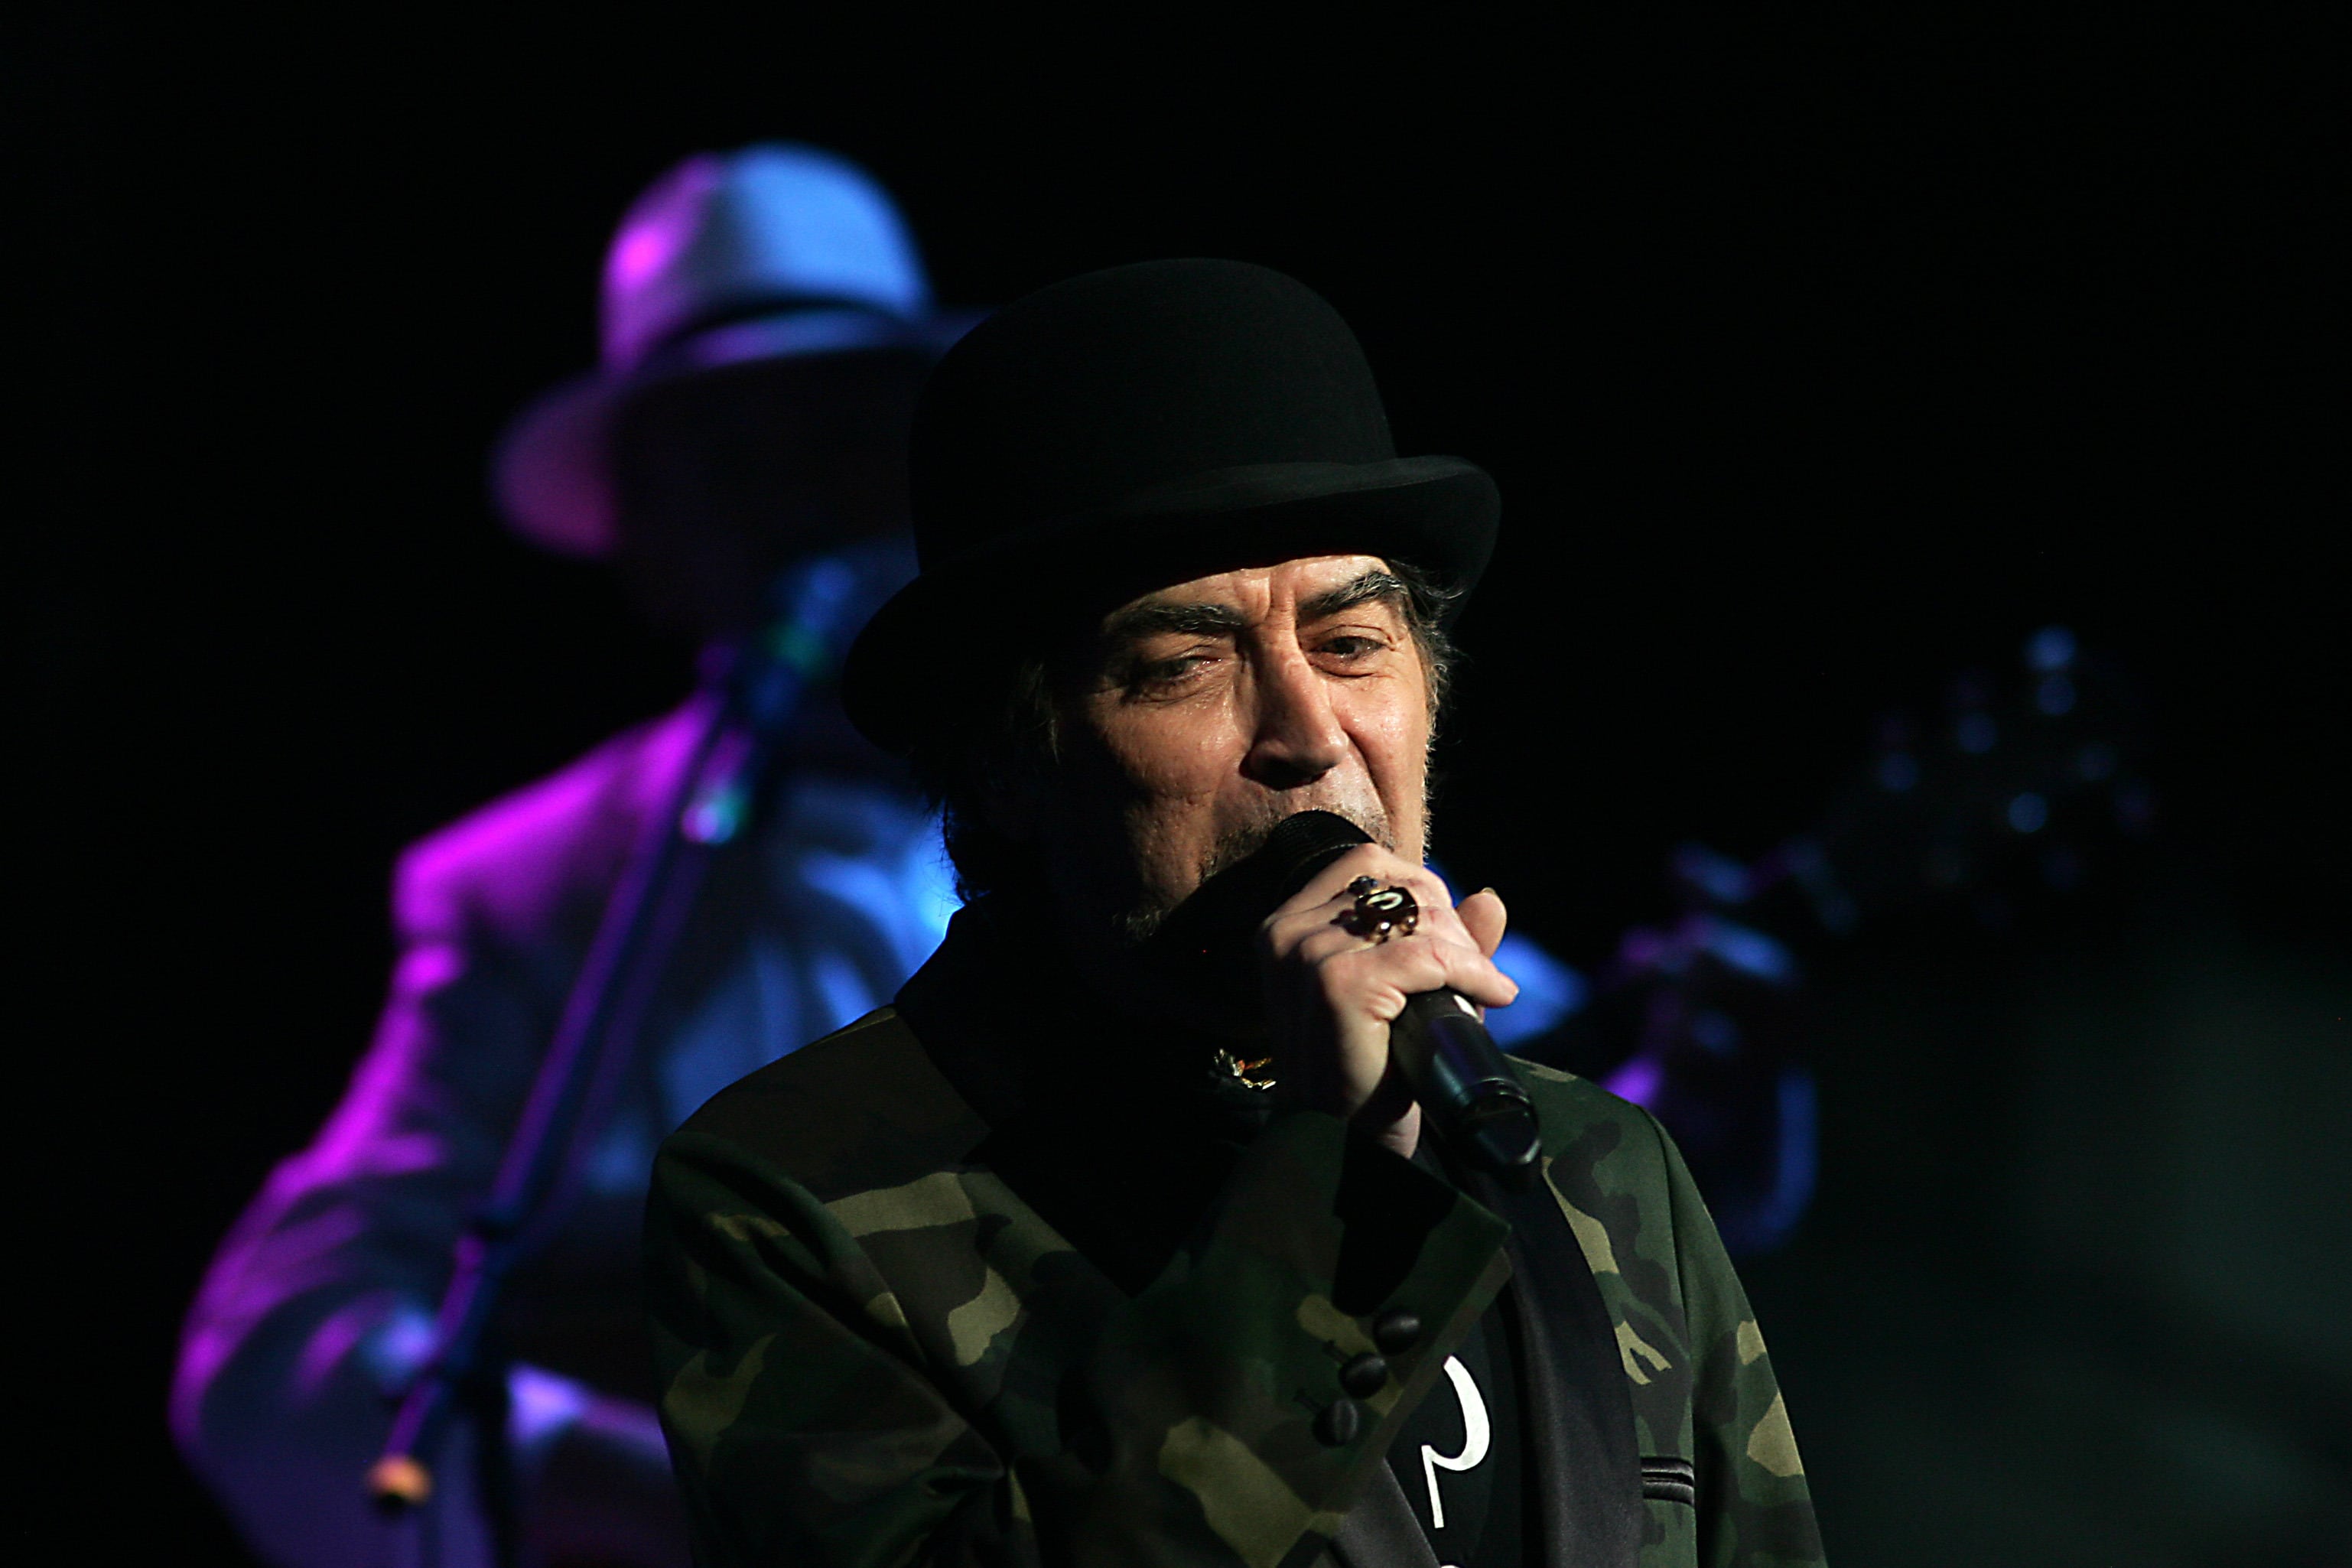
(1197, 619)
(1367, 588)
(1163, 617)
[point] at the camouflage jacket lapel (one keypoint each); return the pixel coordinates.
(1582, 1461)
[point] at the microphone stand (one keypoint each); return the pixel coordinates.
(742, 714)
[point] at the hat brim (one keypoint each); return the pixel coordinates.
(548, 469)
(1436, 514)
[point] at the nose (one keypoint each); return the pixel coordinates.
(1298, 738)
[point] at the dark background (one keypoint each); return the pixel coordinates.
(1820, 358)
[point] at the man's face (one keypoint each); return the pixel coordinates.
(1212, 710)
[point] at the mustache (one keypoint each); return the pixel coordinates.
(1139, 922)
(1245, 839)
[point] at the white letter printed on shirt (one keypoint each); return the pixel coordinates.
(1474, 1439)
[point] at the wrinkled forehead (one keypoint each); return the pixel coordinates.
(1301, 588)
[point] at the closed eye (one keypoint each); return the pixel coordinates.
(1147, 678)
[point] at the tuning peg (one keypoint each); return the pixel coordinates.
(1897, 767)
(2050, 656)
(2050, 650)
(1973, 730)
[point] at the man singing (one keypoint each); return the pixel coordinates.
(1070, 1258)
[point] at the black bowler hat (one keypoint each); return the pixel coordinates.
(1130, 428)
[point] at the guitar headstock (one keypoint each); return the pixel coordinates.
(1698, 1019)
(2026, 771)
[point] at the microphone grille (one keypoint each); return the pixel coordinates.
(1303, 845)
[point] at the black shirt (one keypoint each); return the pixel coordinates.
(1460, 1455)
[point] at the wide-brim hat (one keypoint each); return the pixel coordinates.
(770, 264)
(1131, 429)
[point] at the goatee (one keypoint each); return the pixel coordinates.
(1138, 924)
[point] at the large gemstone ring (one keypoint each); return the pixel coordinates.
(1380, 912)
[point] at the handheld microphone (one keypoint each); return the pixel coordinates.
(1469, 1091)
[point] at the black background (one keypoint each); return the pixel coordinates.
(1820, 358)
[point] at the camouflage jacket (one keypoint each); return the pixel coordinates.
(910, 1306)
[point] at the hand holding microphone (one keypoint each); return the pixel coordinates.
(1375, 977)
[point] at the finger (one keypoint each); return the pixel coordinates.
(1484, 918)
(1436, 915)
(1312, 930)
(1383, 865)
(1325, 899)
(1432, 902)
(1474, 976)
(1378, 978)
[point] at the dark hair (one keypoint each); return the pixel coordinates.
(1011, 725)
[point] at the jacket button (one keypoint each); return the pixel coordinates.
(1364, 1375)
(1396, 1332)
(1339, 1422)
